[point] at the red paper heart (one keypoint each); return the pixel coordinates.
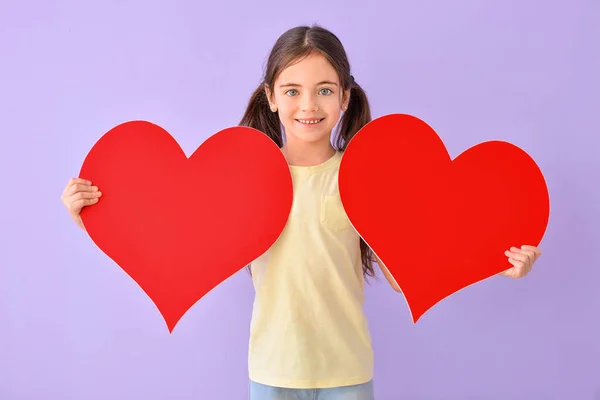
(180, 226)
(439, 225)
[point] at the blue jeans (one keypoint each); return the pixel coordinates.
(363, 391)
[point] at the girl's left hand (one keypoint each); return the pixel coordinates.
(522, 260)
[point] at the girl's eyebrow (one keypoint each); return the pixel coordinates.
(320, 83)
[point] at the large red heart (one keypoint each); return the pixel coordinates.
(439, 225)
(180, 226)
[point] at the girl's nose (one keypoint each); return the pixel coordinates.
(309, 103)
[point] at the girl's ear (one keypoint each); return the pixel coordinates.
(269, 99)
(346, 99)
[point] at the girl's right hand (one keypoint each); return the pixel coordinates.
(77, 194)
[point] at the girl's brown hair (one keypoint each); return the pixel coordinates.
(292, 46)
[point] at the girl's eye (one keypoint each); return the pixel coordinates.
(293, 92)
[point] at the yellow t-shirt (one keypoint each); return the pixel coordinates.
(308, 328)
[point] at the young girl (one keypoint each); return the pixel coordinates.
(309, 337)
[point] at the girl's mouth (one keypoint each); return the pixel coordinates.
(310, 121)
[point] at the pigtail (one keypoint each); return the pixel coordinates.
(356, 116)
(259, 116)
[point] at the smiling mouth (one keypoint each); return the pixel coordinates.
(310, 121)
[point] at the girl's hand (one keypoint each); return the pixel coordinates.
(77, 194)
(522, 260)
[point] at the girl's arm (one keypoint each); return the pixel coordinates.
(388, 275)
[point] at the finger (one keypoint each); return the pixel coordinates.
(530, 256)
(532, 253)
(536, 250)
(79, 204)
(80, 187)
(74, 181)
(83, 196)
(517, 256)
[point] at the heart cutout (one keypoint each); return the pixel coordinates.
(180, 226)
(437, 224)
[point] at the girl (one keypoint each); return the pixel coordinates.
(309, 337)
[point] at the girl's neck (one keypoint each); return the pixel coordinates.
(307, 154)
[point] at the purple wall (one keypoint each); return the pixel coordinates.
(75, 327)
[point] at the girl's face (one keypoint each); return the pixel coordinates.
(309, 100)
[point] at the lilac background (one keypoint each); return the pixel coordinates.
(73, 326)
